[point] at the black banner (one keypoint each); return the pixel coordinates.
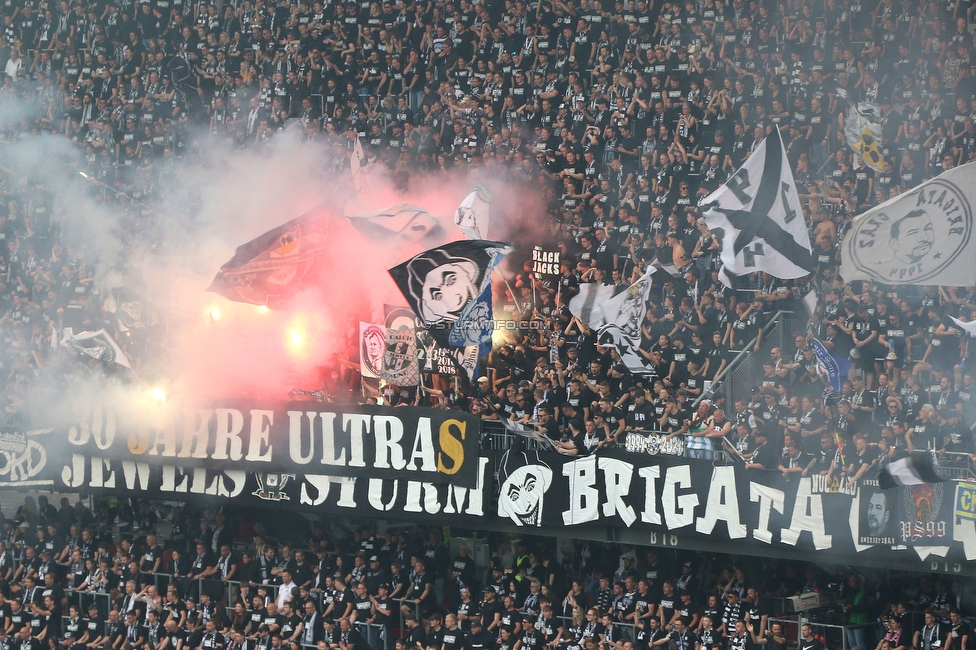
(359, 497)
(430, 445)
(545, 262)
(756, 508)
(925, 513)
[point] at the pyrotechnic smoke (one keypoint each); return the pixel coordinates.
(212, 347)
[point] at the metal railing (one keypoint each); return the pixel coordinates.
(745, 370)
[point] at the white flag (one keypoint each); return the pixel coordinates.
(359, 166)
(473, 214)
(623, 315)
(969, 328)
(588, 304)
(757, 218)
(862, 128)
(98, 345)
(372, 348)
(922, 237)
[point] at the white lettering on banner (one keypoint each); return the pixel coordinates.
(423, 447)
(102, 427)
(388, 432)
(722, 504)
(259, 444)
(296, 437)
(196, 433)
(328, 439)
(98, 478)
(322, 485)
(474, 497)
(583, 495)
(650, 515)
(807, 515)
(416, 489)
(133, 471)
(374, 493)
(171, 474)
(230, 425)
(769, 499)
(137, 476)
(616, 478)
(356, 424)
(679, 511)
(408, 443)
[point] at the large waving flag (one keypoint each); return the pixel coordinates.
(473, 215)
(97, 345)
(402, 224)
(449, 288)
(862, 128)
(588, 304)
(624, 314)
(833, 369)
(922, 237)
(757, 217)
(271, 268)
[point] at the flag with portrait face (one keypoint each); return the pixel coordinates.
(472, 216)
(449, 289)
(372, 349)
(921, 237)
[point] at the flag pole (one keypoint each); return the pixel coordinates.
(510, 290)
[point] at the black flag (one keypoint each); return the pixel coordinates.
(449, 288)
(271, 268)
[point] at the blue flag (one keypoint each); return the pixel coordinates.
(833, 369)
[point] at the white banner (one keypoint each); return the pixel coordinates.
(920, 237)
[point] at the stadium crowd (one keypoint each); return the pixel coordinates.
(74, 578)
(625, 117)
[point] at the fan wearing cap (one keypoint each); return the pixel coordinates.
(532, 638)
(383, 607)
(375, 575)
(491, 607)
(479, 638)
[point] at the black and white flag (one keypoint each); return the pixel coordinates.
(623, 315)
(757, 218)
(587, 305)
(97, 345)
(474, 214)
(916, 469)
(920, 237)
(449, 288)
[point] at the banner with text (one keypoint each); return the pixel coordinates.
(690, 497)
(430, 445)
(359, 497)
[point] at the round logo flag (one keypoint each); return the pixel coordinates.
(920, 237)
